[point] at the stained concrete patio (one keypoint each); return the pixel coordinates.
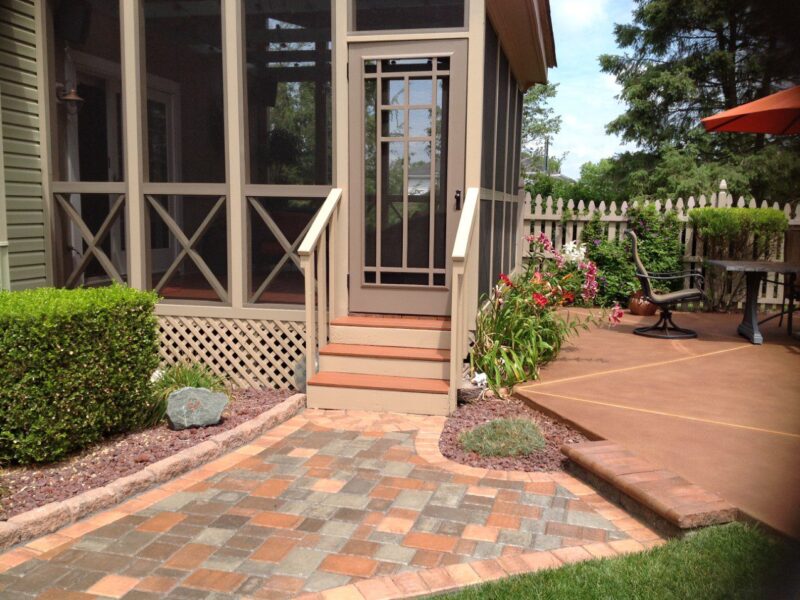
(717, 410)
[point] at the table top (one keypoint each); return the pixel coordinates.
(755, 266)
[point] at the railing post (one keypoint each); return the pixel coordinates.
(307, 264)
(322, 288)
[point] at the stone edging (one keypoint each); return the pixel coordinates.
(50, 517)
(413, 584)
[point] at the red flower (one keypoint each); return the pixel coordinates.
(539, 299)
(537, 277)
(505, 279)
(569, 297)
(616, 314)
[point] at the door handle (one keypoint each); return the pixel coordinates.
(458, 199)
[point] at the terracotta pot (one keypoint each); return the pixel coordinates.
(639, 306)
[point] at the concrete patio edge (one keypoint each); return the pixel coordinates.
(51, 517)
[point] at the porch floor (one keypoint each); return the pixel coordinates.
(717, 410)
(328, 499)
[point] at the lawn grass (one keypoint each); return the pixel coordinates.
(503, 437)
(735, 561)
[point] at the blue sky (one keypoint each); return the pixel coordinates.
(584, 29)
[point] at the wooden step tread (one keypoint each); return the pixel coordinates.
(391, 322)
(395, 352)
(380, 382)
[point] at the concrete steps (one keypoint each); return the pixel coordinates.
(384, 363)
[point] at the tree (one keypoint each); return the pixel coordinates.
(686, 59)
(539, 125)
(683, 60)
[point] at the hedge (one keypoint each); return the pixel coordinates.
(75, 366)
(738, 234)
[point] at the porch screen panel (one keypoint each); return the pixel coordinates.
(288, 71)
(484, 257)
(277, 226)
(489, 106)
(502, 125)
(186, 128)
(87, 140)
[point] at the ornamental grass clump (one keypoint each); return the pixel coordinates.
(75, 366)
(503, 437)
(521, 327)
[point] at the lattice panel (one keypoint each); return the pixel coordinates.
(247, 352)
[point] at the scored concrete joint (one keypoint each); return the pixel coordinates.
(51, 517)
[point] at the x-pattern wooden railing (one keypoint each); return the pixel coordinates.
(289, 248)
(92, 240)
(187, 246)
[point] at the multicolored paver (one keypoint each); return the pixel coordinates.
(362, 505)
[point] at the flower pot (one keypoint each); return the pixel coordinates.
(639, 306)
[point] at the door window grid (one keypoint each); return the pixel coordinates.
(399, 94)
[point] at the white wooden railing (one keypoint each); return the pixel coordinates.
(564, 220)
(318, 261)
(464, 305)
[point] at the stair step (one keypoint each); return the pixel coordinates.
(393, 322)
(380, 382)
(391, 352)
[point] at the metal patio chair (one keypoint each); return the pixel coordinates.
(665, 328)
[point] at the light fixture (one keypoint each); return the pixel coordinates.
(68, 96)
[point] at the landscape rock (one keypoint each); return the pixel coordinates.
(195, 407)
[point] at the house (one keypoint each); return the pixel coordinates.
(286, 174)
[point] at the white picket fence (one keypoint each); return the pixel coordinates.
(563, 221)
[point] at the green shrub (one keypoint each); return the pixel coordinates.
(660, 249)
(503, 437)
(75, 366)
(738, 234)
(175, 377)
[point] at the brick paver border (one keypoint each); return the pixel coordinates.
(51, 517)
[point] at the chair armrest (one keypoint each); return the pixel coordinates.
(673, 275)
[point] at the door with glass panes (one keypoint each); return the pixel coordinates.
(407, 135)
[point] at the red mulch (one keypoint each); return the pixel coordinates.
(24, 488)
(476, 412)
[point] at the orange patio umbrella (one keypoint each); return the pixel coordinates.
(778, 114)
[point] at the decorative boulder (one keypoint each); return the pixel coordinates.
(195, 407)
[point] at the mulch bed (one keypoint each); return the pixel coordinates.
(25, 488)
(481, 410)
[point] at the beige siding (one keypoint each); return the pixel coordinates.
(21, 149)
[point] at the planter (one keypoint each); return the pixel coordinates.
(639, 306)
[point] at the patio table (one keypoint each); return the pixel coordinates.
(755, 271)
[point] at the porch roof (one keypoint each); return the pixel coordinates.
(526, 34)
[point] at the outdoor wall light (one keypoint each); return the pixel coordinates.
(69, 97)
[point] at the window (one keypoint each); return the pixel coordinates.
(383, 15)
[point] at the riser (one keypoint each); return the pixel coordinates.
(339, 398)
(381, 336)
(385, 366)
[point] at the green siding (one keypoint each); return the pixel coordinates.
(22, 163)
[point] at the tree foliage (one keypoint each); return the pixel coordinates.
(683, 60)
(540, 124)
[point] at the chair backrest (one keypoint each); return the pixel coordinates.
(641, 272)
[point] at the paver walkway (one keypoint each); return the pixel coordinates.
(326, 500)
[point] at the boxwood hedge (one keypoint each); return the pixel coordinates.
(75, 366)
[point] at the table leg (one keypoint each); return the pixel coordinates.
(749, 325)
